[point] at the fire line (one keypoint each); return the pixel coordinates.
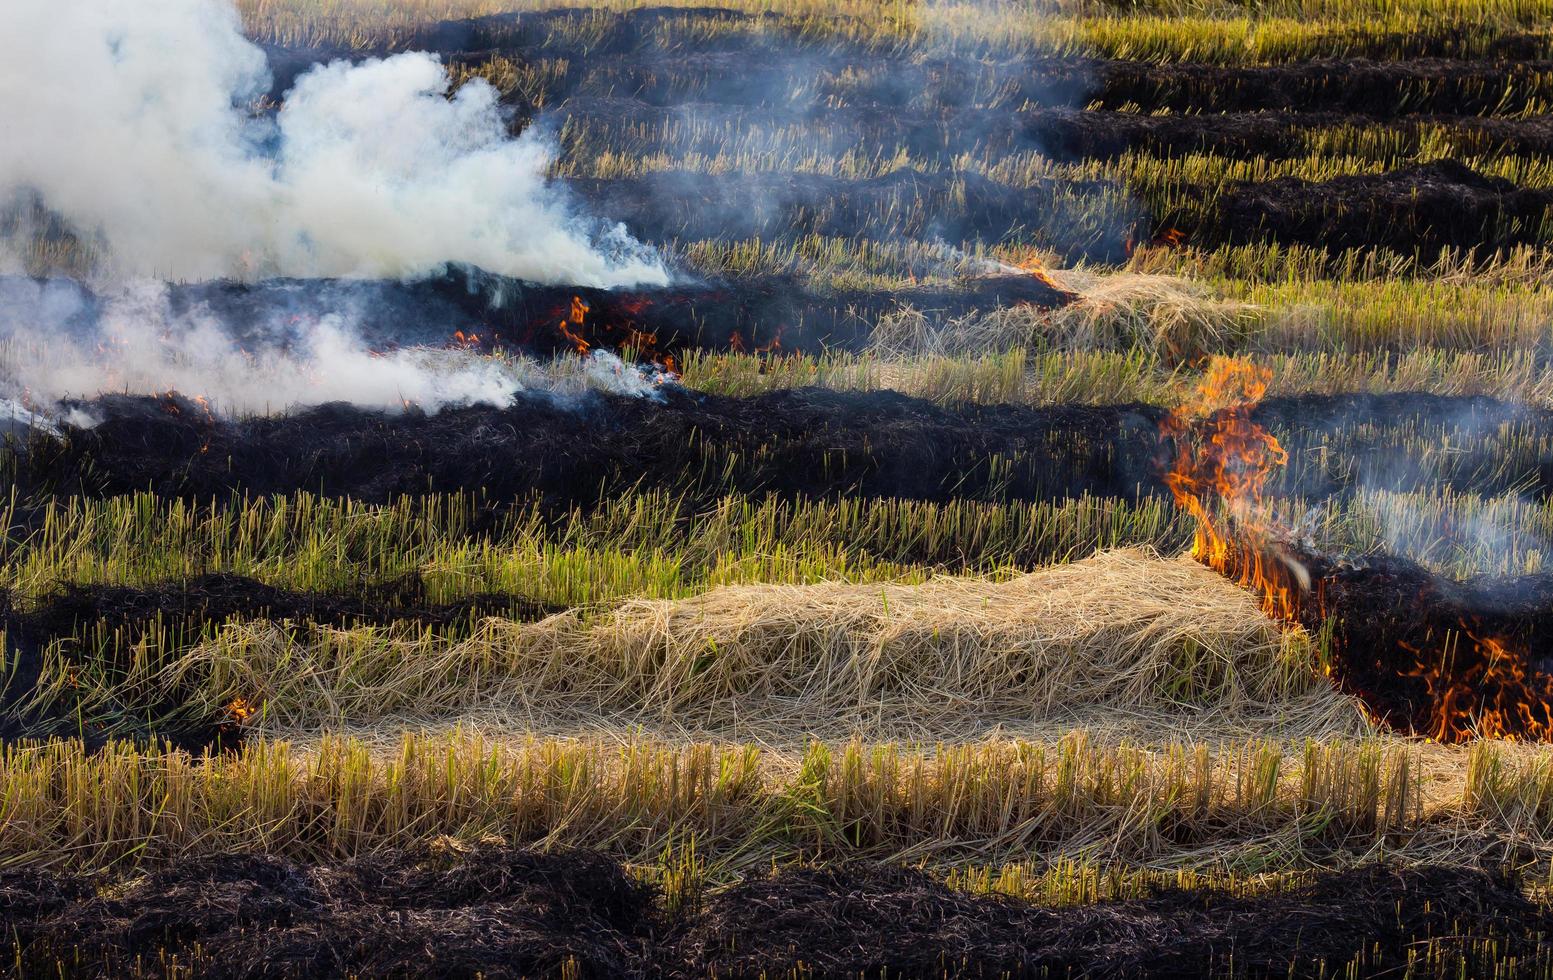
(1423, 656)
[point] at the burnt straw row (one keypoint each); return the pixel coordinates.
(566, 451)
(633, 54)
(1425, 655)
(1442, 204)
(474, 310)
(497, 912)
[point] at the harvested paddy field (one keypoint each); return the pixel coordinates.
(832, 489)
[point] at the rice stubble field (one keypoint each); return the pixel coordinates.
(847, 488)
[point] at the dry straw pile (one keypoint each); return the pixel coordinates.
(1170, 318)
(1123, 637)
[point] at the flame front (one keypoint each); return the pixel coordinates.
(1221, 454)
(1460, 682)
(1030, 262)
(1481, 687)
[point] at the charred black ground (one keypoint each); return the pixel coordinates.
(1425, 208)
(496, 914)
(812, 442)
(808, 441)
(510, 913)
(622, 81)
(1430, 207)
(468, 308)
(1428, 656)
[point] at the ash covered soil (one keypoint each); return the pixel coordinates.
(498, 912)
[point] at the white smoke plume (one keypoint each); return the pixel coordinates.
(131, 120)
(134, 123)
(138, 345)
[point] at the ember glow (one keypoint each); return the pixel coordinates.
(618, 331)
(1418, 653)
(571, 325)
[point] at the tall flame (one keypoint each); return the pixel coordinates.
(1474, 684)
(1221, 454)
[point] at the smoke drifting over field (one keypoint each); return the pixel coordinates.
(155, 150)
(151, 147)
(66, 345)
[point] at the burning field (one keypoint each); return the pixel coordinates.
(846, 490)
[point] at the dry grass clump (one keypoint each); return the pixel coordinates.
(1173, 320)
(1124, 635)
(910, 332)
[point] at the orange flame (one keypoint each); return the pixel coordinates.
(774, 344)
(1039, 272)
(737, 344)
(578, 314)
(1031, 263)
(1222, 454)
(611, 334)
(1477, 686)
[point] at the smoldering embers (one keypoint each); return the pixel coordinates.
(62, 344)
